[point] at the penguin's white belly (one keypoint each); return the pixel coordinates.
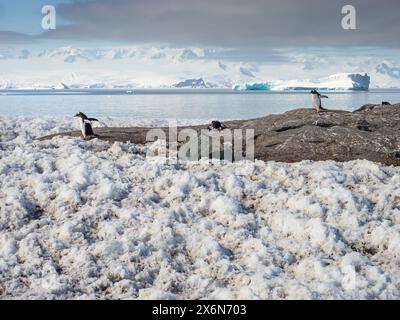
(316, 101)
(83, 129)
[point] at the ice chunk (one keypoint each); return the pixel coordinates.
(252, 87)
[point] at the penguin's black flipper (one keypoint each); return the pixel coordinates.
(93, 119)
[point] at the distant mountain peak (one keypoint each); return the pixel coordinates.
(246, 72)
(188, 54)
(388, 69)
(222, 66)
(61, 86)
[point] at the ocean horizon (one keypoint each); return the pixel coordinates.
(181, 104)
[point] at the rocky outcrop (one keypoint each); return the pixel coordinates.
(372, 132)
(191, 83)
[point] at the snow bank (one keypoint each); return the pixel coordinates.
(92, 220)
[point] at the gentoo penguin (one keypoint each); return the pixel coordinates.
(86, 125)
(216, 125)
(316, 100)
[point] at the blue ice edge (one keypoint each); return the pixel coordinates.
(252, 87)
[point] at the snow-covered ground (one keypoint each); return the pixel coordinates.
(85, 219)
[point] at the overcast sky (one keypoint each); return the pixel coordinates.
(250, 26)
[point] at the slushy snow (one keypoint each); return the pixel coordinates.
(87, 219)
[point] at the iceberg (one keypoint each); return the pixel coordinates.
(252, 87)
(340, 81)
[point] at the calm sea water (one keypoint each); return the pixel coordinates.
(164, 104)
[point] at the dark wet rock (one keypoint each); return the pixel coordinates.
(372, 132)
(191, 83)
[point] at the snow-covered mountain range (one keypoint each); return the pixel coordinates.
(165, 67)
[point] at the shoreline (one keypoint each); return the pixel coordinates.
(369, 133)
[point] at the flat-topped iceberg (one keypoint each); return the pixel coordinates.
(340, 81)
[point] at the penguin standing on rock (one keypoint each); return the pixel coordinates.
(216, 125)
(316, 100)
(86, 125)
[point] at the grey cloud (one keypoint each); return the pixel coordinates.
(239, 24)
(232, 23)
